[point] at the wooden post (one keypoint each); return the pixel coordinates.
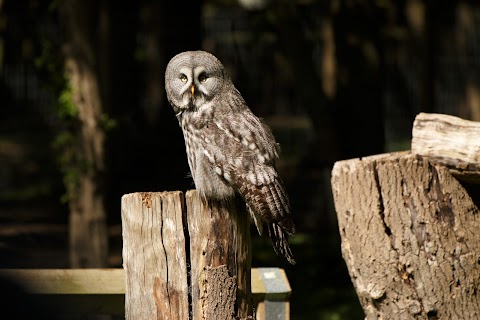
(274, 304)
(410, 235)
(154, 256)
(220, 251)
(162, 238)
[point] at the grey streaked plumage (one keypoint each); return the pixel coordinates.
(229, 149)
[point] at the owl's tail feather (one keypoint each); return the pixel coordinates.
(280, 242)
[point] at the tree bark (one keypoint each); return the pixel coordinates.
(88, 230)
(409, 238)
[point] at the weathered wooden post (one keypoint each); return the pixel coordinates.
(154, 256)
(410, 229)
(220, 253)
(185, 261)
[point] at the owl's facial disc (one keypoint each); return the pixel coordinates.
(194, 92)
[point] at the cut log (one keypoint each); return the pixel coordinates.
(451, 141)
(409, 238)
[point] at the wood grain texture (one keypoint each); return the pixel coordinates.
(449, 140)
(409, 238)
(154, 257)
(219, 236)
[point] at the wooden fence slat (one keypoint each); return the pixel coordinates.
(112, 281)
(68, 281)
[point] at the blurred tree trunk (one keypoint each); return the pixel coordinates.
(2, 41)
(360, 62)
(317, 100)
(85, 46)
(155, 60)
(160, 44)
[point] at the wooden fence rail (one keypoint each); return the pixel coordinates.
(102, 291)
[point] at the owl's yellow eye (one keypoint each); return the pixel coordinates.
(202, 78)
(183, 78)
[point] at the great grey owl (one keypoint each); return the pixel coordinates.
(230, 151)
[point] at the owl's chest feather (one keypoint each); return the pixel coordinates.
(207, 181)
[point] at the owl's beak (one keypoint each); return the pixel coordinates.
(192, 90)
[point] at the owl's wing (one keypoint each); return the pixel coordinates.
(243, 152)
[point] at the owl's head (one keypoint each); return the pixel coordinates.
(192, 79)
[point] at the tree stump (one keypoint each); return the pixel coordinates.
(188, 261)
(410, 237)
(409, 228)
